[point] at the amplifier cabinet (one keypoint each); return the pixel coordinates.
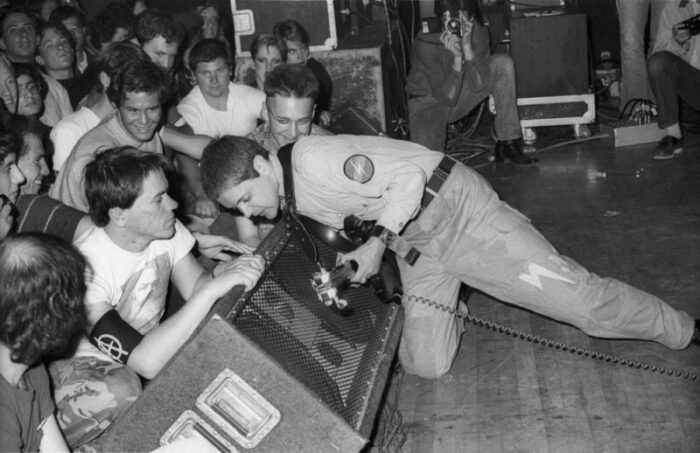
(273, 369)
(550, 52)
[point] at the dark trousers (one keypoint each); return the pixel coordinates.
(672, 77)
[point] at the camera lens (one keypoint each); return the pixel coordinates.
(453, 26)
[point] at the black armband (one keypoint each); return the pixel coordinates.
(115, 337)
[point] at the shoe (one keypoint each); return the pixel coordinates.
(696, 334)
(668, 147)
(512, 149)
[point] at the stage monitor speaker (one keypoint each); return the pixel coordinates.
(273, 369)
(550, 51)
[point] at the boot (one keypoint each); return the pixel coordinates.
(512, 149)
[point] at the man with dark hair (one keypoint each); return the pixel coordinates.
(159, 36)
(57, 56)
(10, 179)
(71, 128)
(452, 72)
(297, 40)
(137, 93)
(112, 24)
(215, 107)
(18, 37)
(135, 249)
(446, 212)
(42, 314)
(75, 22)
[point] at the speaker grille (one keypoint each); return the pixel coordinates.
(337, 355)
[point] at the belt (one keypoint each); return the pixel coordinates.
(437, 180)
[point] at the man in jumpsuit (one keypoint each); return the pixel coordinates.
(451, 215)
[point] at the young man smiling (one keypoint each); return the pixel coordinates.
(137, 94)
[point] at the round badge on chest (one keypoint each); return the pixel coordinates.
(359, 168)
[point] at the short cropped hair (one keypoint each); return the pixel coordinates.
(227, 162)
(65, 12)
(42, 308)
(10, 143)
(30, 69)
(208, 50)
(268, 40)
(292, 80)
(139, 77)
(113, 59)
(114, 179)
(151, 24)
(291, 30)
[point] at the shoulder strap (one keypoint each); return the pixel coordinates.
(285, 156)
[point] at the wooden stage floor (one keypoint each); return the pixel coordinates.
(622, 215)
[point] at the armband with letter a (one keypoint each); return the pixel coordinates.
(115, 337)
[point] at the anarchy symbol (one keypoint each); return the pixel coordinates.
(111, 346)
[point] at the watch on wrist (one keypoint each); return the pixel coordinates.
(386, 236)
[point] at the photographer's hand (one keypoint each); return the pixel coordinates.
(454, 45)
(681, 35)
(466, 43)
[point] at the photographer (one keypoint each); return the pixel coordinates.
(452, 72)
(674, 70)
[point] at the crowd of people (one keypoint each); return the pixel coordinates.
(120, 133)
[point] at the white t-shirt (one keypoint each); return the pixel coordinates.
(68, 131)
(135, 284)
(243, 110)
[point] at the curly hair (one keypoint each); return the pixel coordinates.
(140, 77)
(103, 27)
(151, 23)
(42, 308)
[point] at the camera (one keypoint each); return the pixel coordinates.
(436, 25)
(692, 25)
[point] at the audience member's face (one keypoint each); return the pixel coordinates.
(152, 216)
(290, 118)
(46, 9)
(19, 37)
(140, 115)
(32, 164)
(161, 52)
(296, 52)
(257, 196)
(266, 59)
(30, 102)
(10, 178)
(210, 22)
(8, 84)
(56, 51)
(213, 77)
(78, 32)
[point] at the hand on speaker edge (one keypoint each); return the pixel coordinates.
(244, 270)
